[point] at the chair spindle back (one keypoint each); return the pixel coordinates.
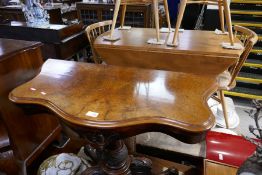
(248, 38)
(93, 31)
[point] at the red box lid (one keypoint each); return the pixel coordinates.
(229, 149)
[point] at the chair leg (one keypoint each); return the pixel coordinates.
(179, 19)
(221, 16)
(117, 6)
(224, 107)
(155, 2)
(123, 15)
(228, 21)
(167, 15)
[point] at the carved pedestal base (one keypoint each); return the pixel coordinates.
(110, 157)
(114, 159)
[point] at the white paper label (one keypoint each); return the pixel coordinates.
(220, 156)
(92, 114)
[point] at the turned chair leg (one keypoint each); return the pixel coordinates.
(228, 21)
(123, 15)
(179, 19)
(221, 16)
(117, 6)
(167, 15)
(155, 2)
(224, 107)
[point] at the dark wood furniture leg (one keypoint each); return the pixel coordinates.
(110, 156)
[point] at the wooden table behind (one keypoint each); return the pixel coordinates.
(198, 52)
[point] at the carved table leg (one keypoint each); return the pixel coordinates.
(110, 157)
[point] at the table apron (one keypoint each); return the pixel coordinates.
(178, 62)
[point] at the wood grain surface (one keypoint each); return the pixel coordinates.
(212, 168)
(198, 52)
(128, 101)
(8, 48)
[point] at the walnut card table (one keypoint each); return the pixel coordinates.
(199, 52)
(105, 104)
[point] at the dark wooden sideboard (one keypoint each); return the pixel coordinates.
(29, 131)
(14, 13)
(90, 12)
(60, 41)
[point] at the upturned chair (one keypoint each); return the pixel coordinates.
(223, 7)
(128, 2)
(93, 31)
(227, 79)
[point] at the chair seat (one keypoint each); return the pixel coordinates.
(224, 79)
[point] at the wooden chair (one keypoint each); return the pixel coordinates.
(93, 31)
(227, 80)
(127, 2)
(223, 7)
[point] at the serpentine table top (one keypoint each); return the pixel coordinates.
(122, 100)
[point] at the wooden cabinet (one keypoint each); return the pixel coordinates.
(15, 13)
(12, 13)
(30, 131)
(213, 168)
(60, 41)
(92, 12)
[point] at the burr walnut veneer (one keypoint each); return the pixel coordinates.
(198, 52)
(106, 103)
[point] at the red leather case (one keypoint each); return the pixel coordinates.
(229, 149)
